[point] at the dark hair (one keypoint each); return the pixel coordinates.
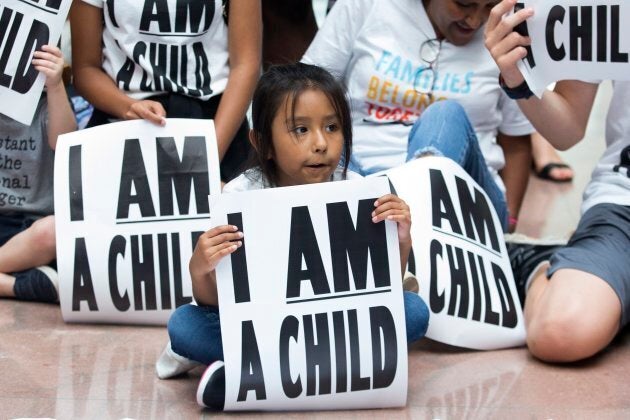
(290, 80)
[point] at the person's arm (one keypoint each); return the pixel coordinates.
(244, 47)
(560, 116)
(49, 61)
(211, 247)
(391, 207)
(89, 78)
(515, 174)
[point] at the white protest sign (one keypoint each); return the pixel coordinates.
(460, 257)
(26, 25)
(131, 199)
(312, 313)
(575, 39)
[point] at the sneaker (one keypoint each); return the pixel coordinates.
(39, 284)
(527, 258)
(171, 364)
(410, 283)
(211, 389)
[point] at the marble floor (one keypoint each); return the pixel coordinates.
(69, 371)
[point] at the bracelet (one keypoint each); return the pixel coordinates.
(521, 91)
(512, 221)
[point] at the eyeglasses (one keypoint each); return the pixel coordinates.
(424, 82)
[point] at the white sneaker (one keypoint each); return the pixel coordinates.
(211, 388)
(171, 364)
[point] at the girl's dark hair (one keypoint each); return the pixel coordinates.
(290, 81)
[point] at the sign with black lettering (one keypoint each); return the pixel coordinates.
(459, 256)
(26, 25)
(575, 39)
(312, 311)
(131, 199)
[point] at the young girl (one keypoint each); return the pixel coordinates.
(301, 129)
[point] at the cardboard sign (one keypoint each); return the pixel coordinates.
(460, 257)
(575, 39)
(26, 25)
(312, 313)
(131, 199)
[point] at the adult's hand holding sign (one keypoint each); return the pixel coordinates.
(312, 313)
(131, 199)
(575, 39)
(25, 26)
(460, 257)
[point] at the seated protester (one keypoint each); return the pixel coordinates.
(577, 296)
(400, 60)
(212, 69)
(27, 227)
(301, 128)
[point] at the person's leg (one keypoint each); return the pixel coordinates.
(517, 151)
(547, 163)
(25, 251)
(416, 316)
(443, 129)
(195, 333)
(575, 309)
(571, 316)
(30, 248)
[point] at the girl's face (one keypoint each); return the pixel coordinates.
(458, 20)
(306, 148)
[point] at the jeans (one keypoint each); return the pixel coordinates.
(195, 331)
(443, 129)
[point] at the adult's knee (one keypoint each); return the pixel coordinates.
(438, 113)
(443, 129)
(449, 108)
(42, 233)
(562, 337)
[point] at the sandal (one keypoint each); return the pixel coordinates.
(545, 172)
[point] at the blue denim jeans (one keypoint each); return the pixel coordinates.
(195, 331)
(443, 129)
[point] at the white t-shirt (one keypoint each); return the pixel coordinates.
(610, 182)
(374, 47)
(149, 50)
(253, 179)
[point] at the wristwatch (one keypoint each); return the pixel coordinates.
(521, 91)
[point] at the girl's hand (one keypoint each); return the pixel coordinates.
(211, 247)
(392, 207)
(147, 110)
(49, 61)
(506, 46)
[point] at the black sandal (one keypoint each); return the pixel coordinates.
(545, 172)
